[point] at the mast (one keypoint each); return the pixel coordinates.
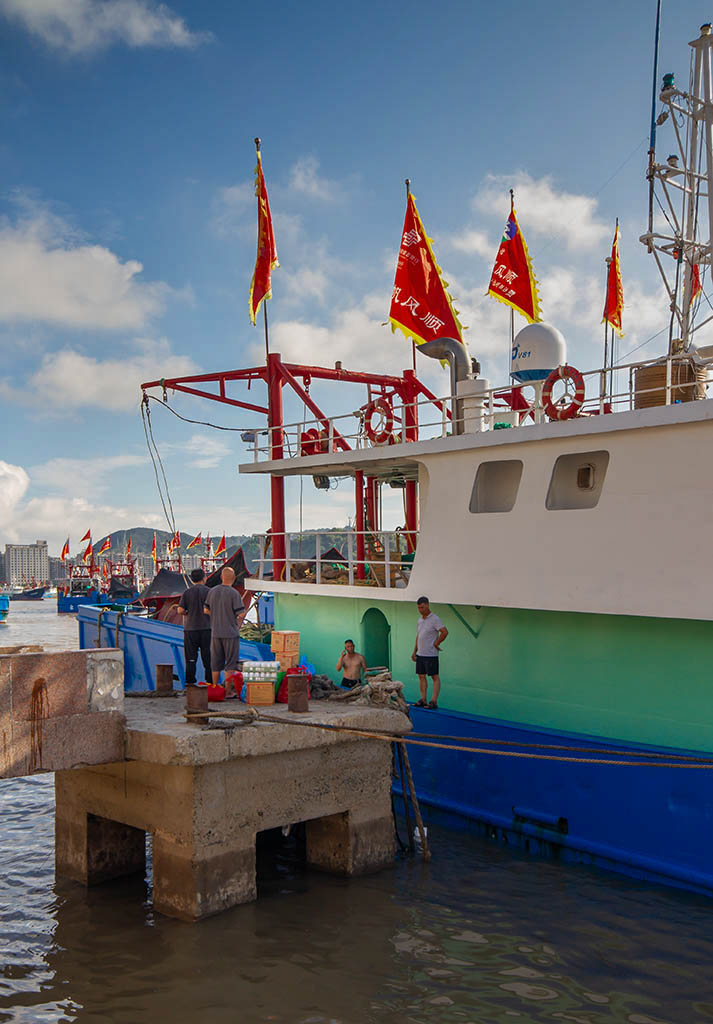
(684, 188)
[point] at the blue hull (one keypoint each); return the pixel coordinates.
(147, 643)
(70, 604)
(654, 823)
(4, 607)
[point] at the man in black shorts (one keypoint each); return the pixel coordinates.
(430, 634)
(196, 626)
(226, 612)
(351, 664)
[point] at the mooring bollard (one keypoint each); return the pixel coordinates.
(297, 693)
(164, 678)
(197, 700)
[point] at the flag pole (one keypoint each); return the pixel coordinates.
(512, 311)
(407, 183)
(603, 388)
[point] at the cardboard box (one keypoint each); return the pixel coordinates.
(260, 693)
(285, 641)
(288, 661)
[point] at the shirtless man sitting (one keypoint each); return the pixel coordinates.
(352, 664)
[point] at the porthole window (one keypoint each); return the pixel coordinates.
(577, 480)
(496, 486)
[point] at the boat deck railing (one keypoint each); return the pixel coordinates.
(369, 558)
(606, 392)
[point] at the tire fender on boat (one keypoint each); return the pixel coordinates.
(383, 432)
(554, 410)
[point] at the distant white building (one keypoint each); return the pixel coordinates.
(27, 562)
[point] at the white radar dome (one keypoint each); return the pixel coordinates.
(536, 351)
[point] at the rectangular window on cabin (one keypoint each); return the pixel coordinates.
(496, 486)
(577, 480)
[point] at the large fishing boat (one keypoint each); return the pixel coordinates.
(558, 527)
(30, 593)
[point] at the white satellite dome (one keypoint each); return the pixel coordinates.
(537, 350)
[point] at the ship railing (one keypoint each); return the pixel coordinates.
(369, 558)
(606, 391)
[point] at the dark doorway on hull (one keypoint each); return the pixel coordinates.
(376, 643)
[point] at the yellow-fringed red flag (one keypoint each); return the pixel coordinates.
(614, 302)
(64, 553)
(195, 542)
(513, 280)
(220, 550)
(106, 546)
(261, 284)
(420, 304)
(154, 556)
(87, 536)
(88, 555)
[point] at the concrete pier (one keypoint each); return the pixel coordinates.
(204, 795)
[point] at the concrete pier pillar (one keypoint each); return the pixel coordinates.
(204, 795)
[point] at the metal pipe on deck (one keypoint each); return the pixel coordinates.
(277, 483)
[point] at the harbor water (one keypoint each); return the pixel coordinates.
(482, 934)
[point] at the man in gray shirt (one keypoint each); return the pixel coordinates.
(196, 626)
(430, 634)
(226, 612)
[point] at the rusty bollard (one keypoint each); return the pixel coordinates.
(297, 693)
(197, 700)
(164, 678)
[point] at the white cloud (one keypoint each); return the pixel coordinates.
(231, 206)
(307, 283)
(64, 474)
(305, 179)
(474, 243)
(69, 380)
(543, 209)
(204, 451)
(88, 26)
(14, 482)
(47, 276)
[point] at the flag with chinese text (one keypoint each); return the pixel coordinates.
(420, 304)
(106, 546)
(266, 261)
(614, 302)
(513, 279)
(65, 550)
(195, 542)
(220, 550)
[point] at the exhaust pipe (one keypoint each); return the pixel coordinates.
(460, 366)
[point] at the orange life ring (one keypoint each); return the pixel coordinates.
(384, 431)
(555, 411)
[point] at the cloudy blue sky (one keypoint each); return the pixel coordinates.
(127, 216)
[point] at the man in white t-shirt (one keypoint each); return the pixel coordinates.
(430, 634)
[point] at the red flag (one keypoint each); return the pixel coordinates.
(207, 544)
(614, 302)
(175, 541)
(87, 536)
(105, 571)
(195, 542)
(106, 546)
(696, 286)
(420, 304)
(88, 555)
(153, 550)
(261, 284)
(513, 280)
(220, 550)
(65, 550)
(128, 547)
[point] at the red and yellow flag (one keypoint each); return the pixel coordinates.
(64, 553)
(88, 555)
(87, 536)
(128, 547)
(696, 286)
(154, 556)
(420, 304)
(614, 302)
(513, 280)
(220, 550)
(175, 541)
(195, 542)
(261, 284)
(106, 546)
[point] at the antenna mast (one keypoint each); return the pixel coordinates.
(685, 189)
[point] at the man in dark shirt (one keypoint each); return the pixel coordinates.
(226, 612)
(196, 626)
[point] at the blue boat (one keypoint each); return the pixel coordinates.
(146, 643)
(4, 606)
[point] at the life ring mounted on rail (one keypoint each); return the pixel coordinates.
(555, 410)
(383, 431)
